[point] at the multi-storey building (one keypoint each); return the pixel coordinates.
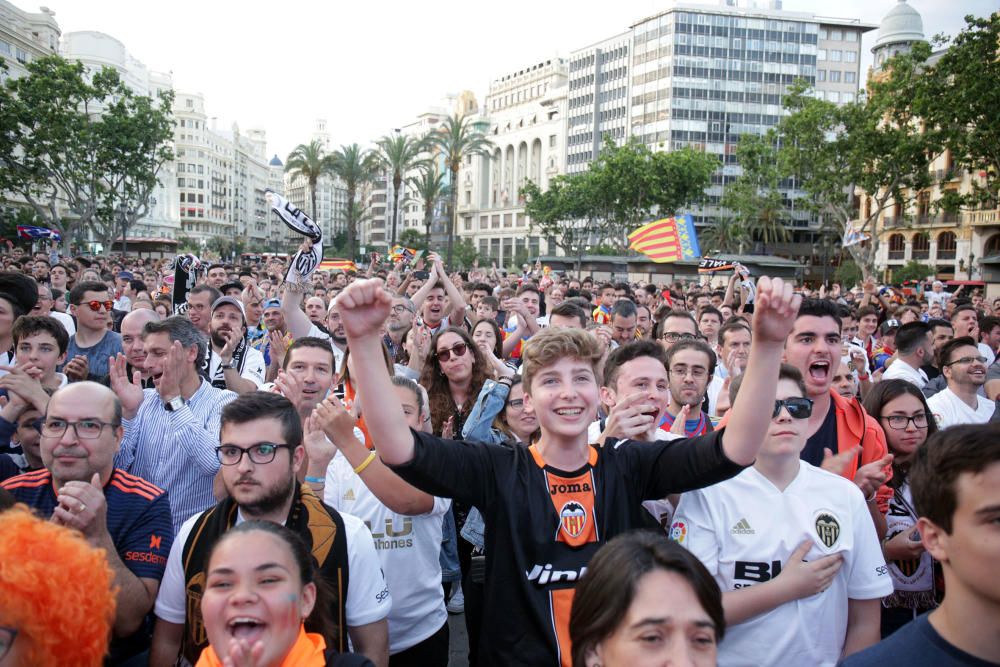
(598, 99)
(96, 50)
(952, 243)
(702, 76)
(525, 120)
(25, 36)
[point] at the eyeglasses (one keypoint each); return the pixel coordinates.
(517, 403)
(7, 637)
(85, 429)
(902, 422)
(798, 408)
(458, 350)
(262, 452)
(96, 305)
(697, 372)
(967, 360)
(400, 309)
(673, 337)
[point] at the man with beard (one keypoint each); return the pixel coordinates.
(964, 369)
(277, 338)
(299, 324)
(399, 322)
(82, 489)
(171, 431)
(261, 452)
(216, 276)
(232, 363)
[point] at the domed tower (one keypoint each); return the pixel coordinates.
(900, 29)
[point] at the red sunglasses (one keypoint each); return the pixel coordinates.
(96, 305)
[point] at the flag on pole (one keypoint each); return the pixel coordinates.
(853, 235)
(336, 264)
(666, 240)
(37, 233)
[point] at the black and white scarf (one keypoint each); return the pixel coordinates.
(185, 277)
(304, 262)
(239, 359)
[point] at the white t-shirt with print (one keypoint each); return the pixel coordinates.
(949, 410)
(368, 597)
(744, 530)
(253, 367)
(408, 548)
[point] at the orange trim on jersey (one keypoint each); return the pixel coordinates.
(121, 474)
(135, 490)
(29, 480)
(540, 462)
(560, 605)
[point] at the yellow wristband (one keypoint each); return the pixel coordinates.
(364, 464)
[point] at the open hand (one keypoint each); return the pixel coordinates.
(129, 391)
(837, 463)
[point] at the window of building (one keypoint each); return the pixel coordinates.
(837, 35)
(552, 140)
(834, 76)
(824, 33)
(821, 75)
(851, 36)
(850, 56)
(850, 77)
(847, 98)
(832, 96)
(835, 55)
(820, 54)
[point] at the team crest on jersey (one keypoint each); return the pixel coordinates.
(827, 528)
(678, 531)
(573, 517)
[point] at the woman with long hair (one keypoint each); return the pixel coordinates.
(902, 411)
(453, 375)
(487, 335)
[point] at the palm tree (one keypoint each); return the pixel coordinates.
(429, 187)
(398, 153)
(308, 161)
(724, 235)
(355, 167)
(457, 138)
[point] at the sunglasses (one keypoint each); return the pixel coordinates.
(96, 305)
(458, 350)
(798, 408)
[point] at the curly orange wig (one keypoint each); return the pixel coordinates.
(56, 590)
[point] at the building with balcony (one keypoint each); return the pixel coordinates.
(25, 36)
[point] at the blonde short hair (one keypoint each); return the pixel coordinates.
(550, 345)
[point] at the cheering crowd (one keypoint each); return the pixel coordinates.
(255, 472)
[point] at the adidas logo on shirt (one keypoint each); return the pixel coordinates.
(742, 527)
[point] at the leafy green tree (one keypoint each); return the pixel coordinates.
(959, 96)
(74, 147)
(465, 253)
(428, 187)
(309, 162)
(564, 214)
(355, 166)
(398, 154)
(412, 238)
(754, 198)
(725, 235)
(876, 144)
(456, 138)
(912, 270)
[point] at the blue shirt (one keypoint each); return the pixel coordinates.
(176, 450)
(138, 516)
(97, 355)
(916, 644)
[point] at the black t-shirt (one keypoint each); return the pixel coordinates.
(824, 438)
(916, 644)
(931, 371)
(543, 525)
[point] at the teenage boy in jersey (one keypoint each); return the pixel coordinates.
(837, 427)
(549, 507)
(81, 489)
(792, 548)
(955, 480)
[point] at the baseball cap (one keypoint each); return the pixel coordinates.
(889, 325)
(271, 303)
(230, 301)
(126, 275)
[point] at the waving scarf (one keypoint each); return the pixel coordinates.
(185, 277)
(305, 261)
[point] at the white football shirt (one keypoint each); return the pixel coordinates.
(744, 530)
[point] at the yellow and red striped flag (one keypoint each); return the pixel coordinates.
(666, 240)
(336, 264)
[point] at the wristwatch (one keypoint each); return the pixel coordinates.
(175, 403)
(230, 366)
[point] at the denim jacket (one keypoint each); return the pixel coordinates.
(479, 428)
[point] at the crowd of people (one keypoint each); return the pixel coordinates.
(593, 473)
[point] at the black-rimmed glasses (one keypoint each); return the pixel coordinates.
(902, 422)
(85, 429)
(262, 452)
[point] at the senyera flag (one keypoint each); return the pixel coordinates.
(666, 240)
(337, 265)
(37, 233)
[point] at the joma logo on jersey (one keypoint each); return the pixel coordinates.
(556, 489)
(544, 574)
(573, 517)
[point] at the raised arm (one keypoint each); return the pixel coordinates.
(749, 418)
(457, 314)
(364, 306)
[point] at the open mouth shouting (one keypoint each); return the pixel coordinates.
(819, 371)
(247, 628)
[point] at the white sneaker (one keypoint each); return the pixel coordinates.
(456, 604)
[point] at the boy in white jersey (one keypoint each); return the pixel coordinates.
(792, 547)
